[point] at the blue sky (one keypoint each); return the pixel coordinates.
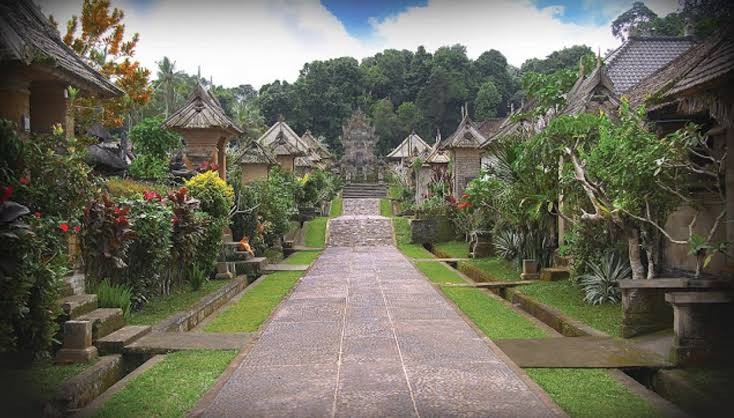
(356, 15)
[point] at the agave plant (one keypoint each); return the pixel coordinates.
(508, 244)
(600, 283)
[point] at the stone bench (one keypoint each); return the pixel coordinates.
(703, 334)
(644, 308)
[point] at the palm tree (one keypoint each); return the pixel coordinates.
(168, 78)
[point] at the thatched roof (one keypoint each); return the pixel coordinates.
(304, 162)
(591, 93)
(438, 156)
(282, 140)
(28, 38)
(412, 146)
(314, 144)
(201, 111)
(640, 56)
(466, 135)
(255, 153)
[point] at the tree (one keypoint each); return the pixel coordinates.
(386, 125)
(627, 23)
(488, 98)
(101, 43)
(563, 59)
(168, 79)
(410, 119)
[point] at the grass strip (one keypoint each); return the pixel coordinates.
(567, 298)
(159, 309)
(255, 306)
(580, 392)
(336, 207)
(452, 249)
(386, 208)
(489, 269)
(591, 393)
(170, 388)
(402, 236)
(302, 257)
(314, 232)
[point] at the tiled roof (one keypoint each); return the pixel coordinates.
(639, 57)
(201, 111)
(712, 59)
(413, 145)
(27, 36)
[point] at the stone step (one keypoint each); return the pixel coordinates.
(77, 305)
(104, 321)
(552, 274)
(115, 343)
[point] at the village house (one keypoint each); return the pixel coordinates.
(285, 144)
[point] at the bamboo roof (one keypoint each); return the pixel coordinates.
(27, 37)
(412, 146)
(591, 93)
(465, 136)
(201, 111)
(255, 153)
(283, 141)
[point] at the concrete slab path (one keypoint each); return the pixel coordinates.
(365, 334)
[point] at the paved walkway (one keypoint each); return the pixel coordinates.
(364, 334)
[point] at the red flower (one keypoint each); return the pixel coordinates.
(24, 181)
(174, 220)
(64, 227)
(77, 229)
(150, 195)
(6, 193)
(121, 220)
(37, 215)
(463, 205)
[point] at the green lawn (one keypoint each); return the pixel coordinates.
(568, 299)
(302, 257)
(580, 392)
(314, 232)
(591, 393)
(402, 236)
(256, 305)
(336, 207)
(159, 309)
(170, 388)
(452, 249)
(490, 269)
(386, 208)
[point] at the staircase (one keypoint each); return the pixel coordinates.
(364, 191)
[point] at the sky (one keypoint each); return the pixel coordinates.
(258, 41)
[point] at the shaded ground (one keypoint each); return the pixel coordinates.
(364, 334)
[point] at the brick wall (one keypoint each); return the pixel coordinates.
(467, 164)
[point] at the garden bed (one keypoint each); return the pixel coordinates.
(487, 269)
(159, 309)
(579, 392)
(256, 305)
(314, 232)
(401, 226)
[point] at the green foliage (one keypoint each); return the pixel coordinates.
(317, 187)
(488, 98)
(563, 59)
(151, 140)
(215, 195)
(314, 232)
(601, 282)
(386, 208)
(149, 167)
(336, 207)
(119, 188)
(188, 232)
(208, 247)
(548, 90)
(114, 296)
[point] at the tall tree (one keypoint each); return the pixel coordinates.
(626, 23)
(386, 125)
(488, 98)
(101, 43)
(410, 119)
(167, 79)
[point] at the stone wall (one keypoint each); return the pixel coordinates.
(432, 230)
(467, 164)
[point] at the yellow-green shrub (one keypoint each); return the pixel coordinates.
(215, 195)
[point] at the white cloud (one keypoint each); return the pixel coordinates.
(258, 41)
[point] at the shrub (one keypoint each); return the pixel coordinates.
(131, 189)
(197, 279)
(149, 167)
(150, 139)
(210, 244)
(114, 296)
(600, 284)
(215, 195)
(149, 255)
(187, 232)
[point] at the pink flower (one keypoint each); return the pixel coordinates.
(77, 229)
(37, 215)
(24, 181)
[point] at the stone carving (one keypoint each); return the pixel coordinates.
(359, 141)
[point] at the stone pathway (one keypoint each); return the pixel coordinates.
(365, 334)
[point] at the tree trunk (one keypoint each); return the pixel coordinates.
(651, 254)
(633, 242)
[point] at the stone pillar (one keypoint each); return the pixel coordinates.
(222, 158)
(644, 311)
(15, 101)
(703, 336)
(78, 346)
(48, 106)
